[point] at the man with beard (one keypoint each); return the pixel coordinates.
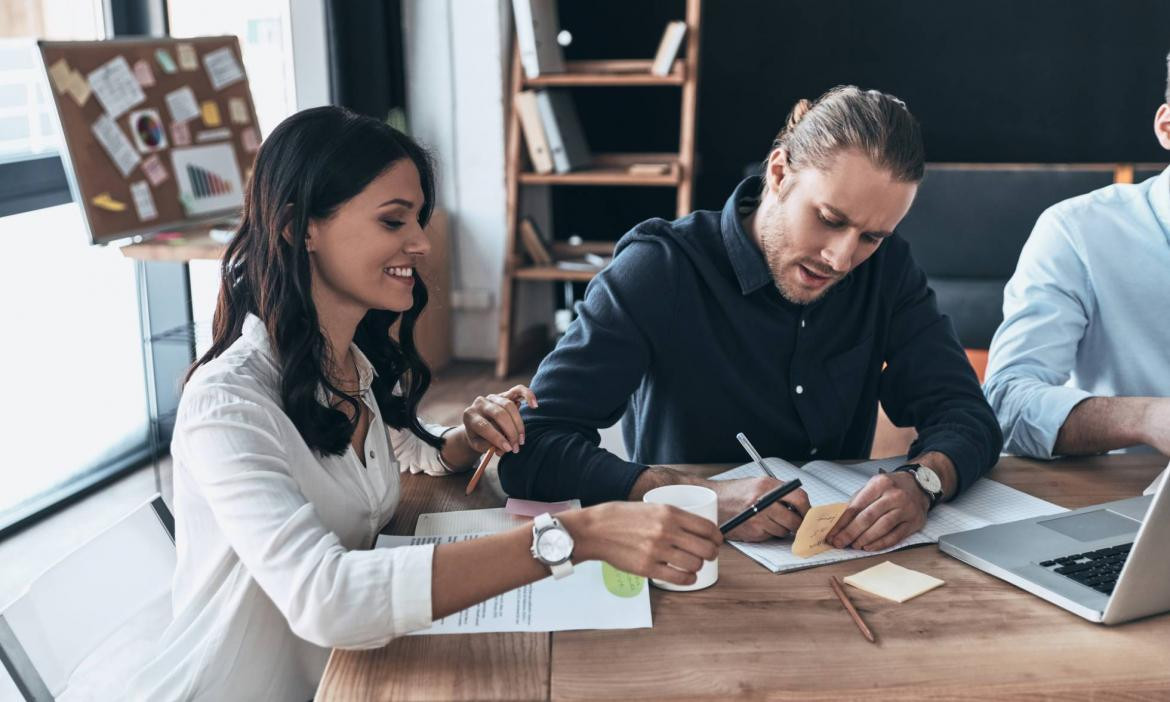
(787, 315)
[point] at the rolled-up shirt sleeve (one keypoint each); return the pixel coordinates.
(1046, 306)
(585, 384)
(331, 596)
(415, 455)
(929, 384)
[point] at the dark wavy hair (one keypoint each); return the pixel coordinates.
(312, 163)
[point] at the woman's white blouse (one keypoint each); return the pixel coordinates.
(274, 560)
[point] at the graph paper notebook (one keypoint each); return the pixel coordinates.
(984, 503)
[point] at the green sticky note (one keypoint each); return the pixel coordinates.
(165, 61)
(620, 582)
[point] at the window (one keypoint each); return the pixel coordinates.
(75, 407)
(265, 42)
(74, 388)
(27, 128)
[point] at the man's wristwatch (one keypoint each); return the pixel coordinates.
(927, 480)
(552, 545)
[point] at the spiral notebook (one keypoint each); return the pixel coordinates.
(984, 503)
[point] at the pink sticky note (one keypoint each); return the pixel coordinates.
(155, 171)
(250, 140)
(143, 73)
(532, 508)
(180, 133)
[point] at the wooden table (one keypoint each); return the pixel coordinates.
(756, 635)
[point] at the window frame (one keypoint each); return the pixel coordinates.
(39, 182)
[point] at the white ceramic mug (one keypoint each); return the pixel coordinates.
(696, 500)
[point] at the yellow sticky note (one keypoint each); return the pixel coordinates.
(893, 582)
(810, 537)
(60, 73)
(210, 113)
(106, 202)
(78, 88)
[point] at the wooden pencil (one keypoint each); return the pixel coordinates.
(479, 471)
(849, 608)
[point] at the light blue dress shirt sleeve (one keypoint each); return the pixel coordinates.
(1047, 305)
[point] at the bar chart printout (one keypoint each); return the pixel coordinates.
(208, 178)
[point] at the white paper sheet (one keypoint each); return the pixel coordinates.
(119, 148)
(222, 68)
(116, 88)
(207, 135)
(477, 521)
(595, 596)
(143, 201)
(187, 58)
(182, 105)
(238, 111)
(472, 521)
(985, 502)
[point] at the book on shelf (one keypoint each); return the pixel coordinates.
(537, 25)
(562, 128)
(588, 262)
(533, 243)
(534, 136)
(668, 47)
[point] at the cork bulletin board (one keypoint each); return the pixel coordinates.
(159, 134)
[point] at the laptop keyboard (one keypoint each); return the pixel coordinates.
(1096, 569)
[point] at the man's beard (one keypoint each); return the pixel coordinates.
(773, 240)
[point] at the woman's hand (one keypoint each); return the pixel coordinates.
(494, 422)
(657, 541)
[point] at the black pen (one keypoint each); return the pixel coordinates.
(759, 505)
(747, 446)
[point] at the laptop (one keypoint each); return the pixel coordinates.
(1106, 563)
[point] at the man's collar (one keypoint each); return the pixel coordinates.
(751, 269)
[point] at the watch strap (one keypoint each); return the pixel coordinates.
(543, 522)
(934, 497)
(562, 569)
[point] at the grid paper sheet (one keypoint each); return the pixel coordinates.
(987, 502)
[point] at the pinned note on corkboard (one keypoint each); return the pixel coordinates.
(158, 134)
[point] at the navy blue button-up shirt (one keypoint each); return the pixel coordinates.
(686, 339)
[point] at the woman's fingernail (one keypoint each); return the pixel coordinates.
(521, 439)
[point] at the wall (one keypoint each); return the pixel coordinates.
(457, 60)
(993, 80)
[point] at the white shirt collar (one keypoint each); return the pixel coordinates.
(257, 334)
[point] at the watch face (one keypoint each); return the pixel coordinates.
(928, 479)
(554, 545)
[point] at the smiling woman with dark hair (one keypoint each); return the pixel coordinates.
(294, 426)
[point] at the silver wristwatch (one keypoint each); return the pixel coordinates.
(552, 545)
(928, 481)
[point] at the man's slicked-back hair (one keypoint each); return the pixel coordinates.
(846, 117)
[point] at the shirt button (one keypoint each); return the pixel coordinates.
(813, 451)
(802, 324)
(799, 389)
(371, 454)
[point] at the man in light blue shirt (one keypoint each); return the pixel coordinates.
(1081, 363)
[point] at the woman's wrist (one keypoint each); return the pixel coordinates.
(457, 455)
(580, 525)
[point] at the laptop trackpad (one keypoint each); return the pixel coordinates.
(1091, 526)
